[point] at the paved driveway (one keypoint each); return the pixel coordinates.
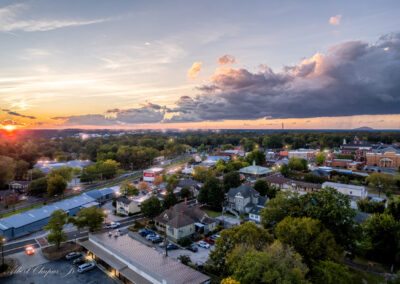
(57, 272)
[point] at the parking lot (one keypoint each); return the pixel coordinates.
(199, 257)
(60, 271)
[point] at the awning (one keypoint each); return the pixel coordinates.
(106, 257)
(133, 276)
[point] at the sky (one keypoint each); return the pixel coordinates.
(200, 64)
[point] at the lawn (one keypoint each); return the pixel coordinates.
(214, 214)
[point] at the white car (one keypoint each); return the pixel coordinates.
(86, 267)
(113, 225)
(203, 244)
(72, 255)
(151, 237)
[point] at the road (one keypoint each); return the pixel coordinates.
(71, 235)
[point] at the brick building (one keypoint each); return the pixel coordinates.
(386, 158)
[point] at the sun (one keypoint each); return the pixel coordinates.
(9, 127)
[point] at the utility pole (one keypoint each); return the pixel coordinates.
(166, 241)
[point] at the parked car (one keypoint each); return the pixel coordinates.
(86, 267)
(209, 241)
(203, 244)
(145, 232)
(172, 247)
(151, 237)
(193, 248)
(72, 255)
(113, 225)
(214, 237)
(157, 240)
(78, 261)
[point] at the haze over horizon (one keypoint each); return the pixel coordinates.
(184, 64)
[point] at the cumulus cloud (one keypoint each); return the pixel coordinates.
(12, 19)
(352, 78)
(226, 60)
(146, 113)
(335, 20)
(194, 70)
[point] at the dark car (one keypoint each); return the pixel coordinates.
(172, 247)
(79, 261)
(193, 248)
(145, 232)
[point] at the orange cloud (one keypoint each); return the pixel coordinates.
(194, 70)
(335, 20)
(226, 59)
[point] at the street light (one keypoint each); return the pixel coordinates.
(3, 241)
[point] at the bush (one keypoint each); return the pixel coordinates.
(184, 259)
(370, 207)
(184, 242)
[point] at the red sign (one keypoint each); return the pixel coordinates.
(148, 174)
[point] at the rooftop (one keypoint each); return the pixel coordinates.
(151, 266)
(255, 170)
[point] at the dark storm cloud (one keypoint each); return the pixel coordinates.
(353, 78)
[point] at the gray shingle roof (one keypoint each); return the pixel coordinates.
(245, 190)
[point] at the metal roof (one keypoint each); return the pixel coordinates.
(43, 212)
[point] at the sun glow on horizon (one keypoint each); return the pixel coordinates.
(9, 127)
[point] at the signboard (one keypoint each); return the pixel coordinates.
(148, 176)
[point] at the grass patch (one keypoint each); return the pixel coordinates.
(363, 277)
(215, 214)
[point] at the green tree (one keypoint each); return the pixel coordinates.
(381, 181)
(184, 259)
(298, 164)
(231, 180)
(273, 142)
(286, 203)
(285, 170)
(56, 225)
(320, 158)
(261, 186)
(36, 173)
(382, 238)
(91, 217)
(329, 272)
(185, 193)
(21, 169)
(169, 200)
(246, 235)
(275, 264)
(56, 185)
(7, 170)
(65, 172)
(257, 155)
(107, 169)
(151, 207)
(364, 205)
(393, 209)
(308, 237)
(37, 186)
(201, 173)
(212, 193)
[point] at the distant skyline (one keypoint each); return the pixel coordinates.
(200, 64)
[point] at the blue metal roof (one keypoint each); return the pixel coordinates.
(95, 193)
(43, 212)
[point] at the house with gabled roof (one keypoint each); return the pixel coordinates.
(184, 220)
(244, 198)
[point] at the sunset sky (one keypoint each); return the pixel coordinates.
(200, 64)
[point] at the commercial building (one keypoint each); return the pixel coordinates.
(133, 262)
(150, 174)
(354, 191)
(388, 157)
(46, 166)
(286, 184)
(33, 220)
(255, 171)
(307, 154)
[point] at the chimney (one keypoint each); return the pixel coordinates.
(185, 200)
(182, 213)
